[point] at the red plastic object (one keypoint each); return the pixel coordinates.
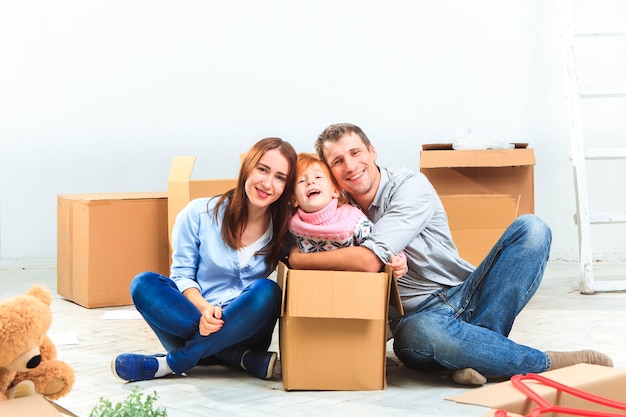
(544, 406)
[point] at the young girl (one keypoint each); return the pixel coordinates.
(218, 305)
(323, 220)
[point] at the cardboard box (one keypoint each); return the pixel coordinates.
(333, 328)
(33, 406)
(497, 176)
(104, 240)
(181, 189)
(493, 171)
(599, 380)
(477, 221)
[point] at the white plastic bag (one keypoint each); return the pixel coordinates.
(465, 139)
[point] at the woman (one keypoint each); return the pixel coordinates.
(218, 305)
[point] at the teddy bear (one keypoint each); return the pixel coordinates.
(26, 352)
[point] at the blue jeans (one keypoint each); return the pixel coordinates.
(249, 321)
(467, 326)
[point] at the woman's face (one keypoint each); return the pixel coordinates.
(314, 189)
(266, 182)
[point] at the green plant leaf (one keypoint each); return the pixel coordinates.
(132, 406)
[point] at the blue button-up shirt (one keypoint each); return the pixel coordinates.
(201, 259)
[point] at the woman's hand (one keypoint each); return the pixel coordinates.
(210, 320)
(210, 315)
(398, 265)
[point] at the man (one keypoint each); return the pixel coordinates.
(457, 317)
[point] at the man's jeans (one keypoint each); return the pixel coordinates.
(249, 321)
(467, 326)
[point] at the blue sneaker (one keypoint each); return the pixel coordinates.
(134, 367)
(259, 363)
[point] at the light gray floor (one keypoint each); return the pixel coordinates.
(558, 318)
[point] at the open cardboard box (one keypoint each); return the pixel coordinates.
(491, 171)
(477, 221)
(104, 240)
(333, 328)
(595, 379)
(492, 175)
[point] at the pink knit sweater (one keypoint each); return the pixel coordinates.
(329, 228)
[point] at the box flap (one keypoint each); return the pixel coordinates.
(113, 196)
(590, 378)
(476, 158)
(394, 293)
(450, 146)
(181, 189)
(337, 294)
(281, 280)
(178, 188)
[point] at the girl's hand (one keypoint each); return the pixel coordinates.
(398, 265)
(210, 320)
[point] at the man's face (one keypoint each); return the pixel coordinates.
(353, 165)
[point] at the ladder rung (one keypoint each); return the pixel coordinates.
(614, 34)
(609, 285)
(605, 153)
(607, 217)
(604, 90)
(599, 94)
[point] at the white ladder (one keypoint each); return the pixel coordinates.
(579, 154)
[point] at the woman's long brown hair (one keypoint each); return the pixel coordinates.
(236, 211)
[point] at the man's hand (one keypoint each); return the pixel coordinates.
(210, 320)
(398, 265)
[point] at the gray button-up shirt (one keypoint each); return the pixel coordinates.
(408, 216)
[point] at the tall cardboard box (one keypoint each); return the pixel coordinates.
(490, 171)
(104, 240)
(333, 328)
(477, 221)
(496, 184)
(181, 188)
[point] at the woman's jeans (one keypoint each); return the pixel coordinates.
(467, 326)
(249, 321)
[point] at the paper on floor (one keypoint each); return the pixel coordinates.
(121, 315)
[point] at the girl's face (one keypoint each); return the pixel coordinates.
(314, 189)
(266, 182)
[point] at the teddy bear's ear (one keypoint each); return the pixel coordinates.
(42, 293)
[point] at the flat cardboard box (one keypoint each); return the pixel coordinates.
(104, 240)
(477, 221)
(32, 406)
(333, 327)
(492, 171)
(181, 188)
(599, 380)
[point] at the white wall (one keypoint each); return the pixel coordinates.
(98, 96)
